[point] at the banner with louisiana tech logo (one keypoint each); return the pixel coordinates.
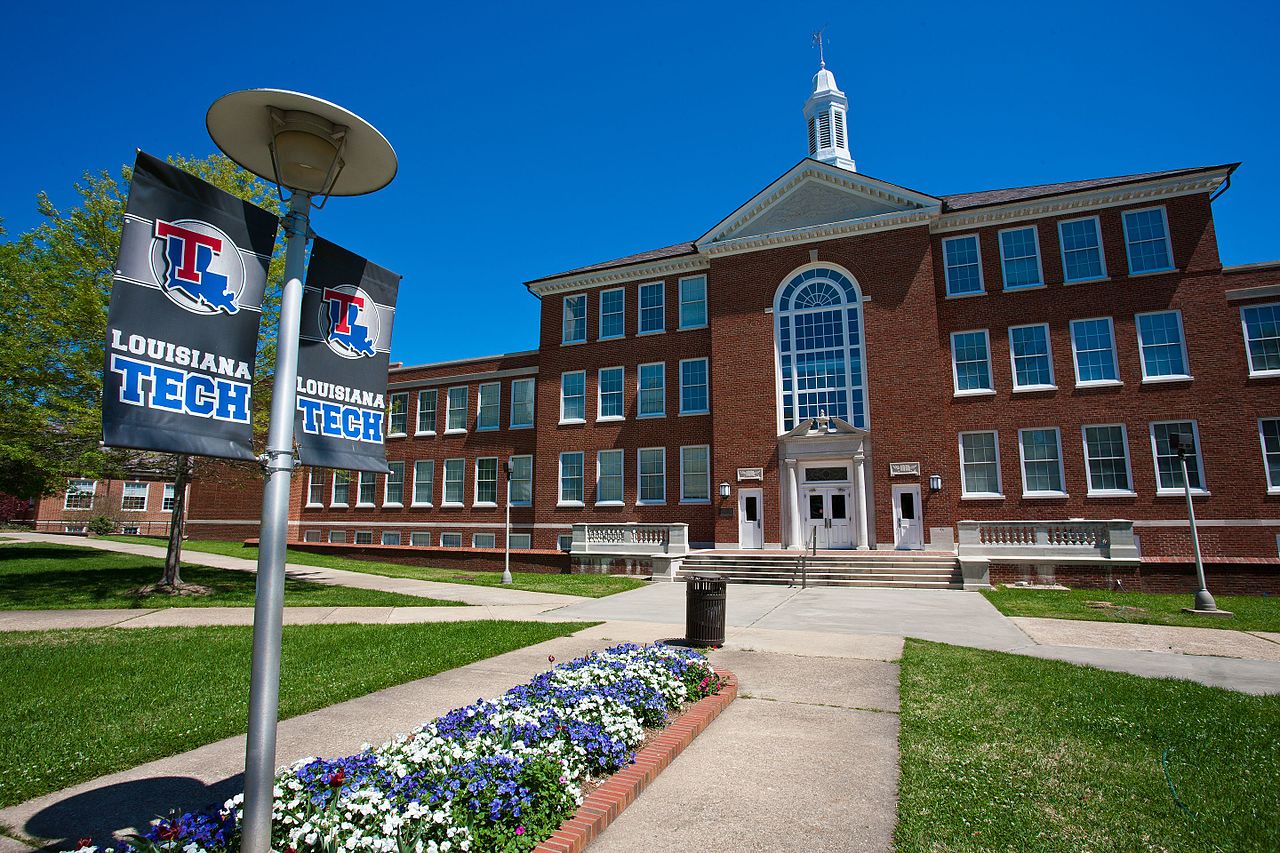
(348, 308)
(182, 331)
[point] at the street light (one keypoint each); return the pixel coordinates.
(311, 147)
(506, 557)
(1181, 444)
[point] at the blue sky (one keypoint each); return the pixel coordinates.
(534, 138)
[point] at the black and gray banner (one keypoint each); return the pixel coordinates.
(348, 308)
(182, 331)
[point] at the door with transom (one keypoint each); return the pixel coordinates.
(826, 517)
(750, 518)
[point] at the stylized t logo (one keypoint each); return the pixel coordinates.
(189, 241)
(341, 313)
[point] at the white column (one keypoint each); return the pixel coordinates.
(863, 509)
(795, 535)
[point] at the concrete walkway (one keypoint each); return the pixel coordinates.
(480, 595)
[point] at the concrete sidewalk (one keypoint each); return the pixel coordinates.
(479, 595)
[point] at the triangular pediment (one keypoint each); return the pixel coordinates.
(812, 428)
(814, 195)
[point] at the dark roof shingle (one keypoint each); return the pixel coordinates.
(986, 198)
(673, 251)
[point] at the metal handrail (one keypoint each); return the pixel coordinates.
(802, 563)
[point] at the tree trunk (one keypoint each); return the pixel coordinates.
(177, 519)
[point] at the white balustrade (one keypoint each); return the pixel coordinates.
(1047, 540)
(631, 539)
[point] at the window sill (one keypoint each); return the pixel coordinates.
(1152, 272)
(691, 328)
(651, 332)
(365, 506)
(1179, 493)
(1032, 389)
(1100, 383)
(1087, 280)
(386, 505)
(453, 505)
(1157, 380)
(484, 505)
(611, 338)
(699, 412)
(418, 433)
(569, 504)
(455, 432)
(982, 497)
(1022, 287)
(610, 419)
(521, 504)
(966, 295)
(397, 435)
(647, 417)
(572, 343)
(976, 392)
(421, 505)
(1037, 496)
(1272, 490)
(651, 503)
(1111, 493)
(1263, 374)
(698, 502)
(339, 506)
(522, 426)
(123, 509)
(610, 503)
(487, 428)
(572, 421)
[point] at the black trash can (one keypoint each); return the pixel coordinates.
(704, 597)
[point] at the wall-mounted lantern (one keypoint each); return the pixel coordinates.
(935, 482)
(725, 490)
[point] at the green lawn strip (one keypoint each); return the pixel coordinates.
(588, 585)
(39, 576)
(1252, 612)
(1002, 752)
(78, 704)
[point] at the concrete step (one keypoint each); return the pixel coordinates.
(857, 582)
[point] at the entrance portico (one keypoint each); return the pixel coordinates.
(825, 495)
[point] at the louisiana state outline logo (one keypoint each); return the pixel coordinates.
(349, 319)
(198, 266)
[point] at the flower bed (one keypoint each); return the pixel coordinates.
(498, 775)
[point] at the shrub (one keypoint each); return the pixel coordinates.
(101, 525)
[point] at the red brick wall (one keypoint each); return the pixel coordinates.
(226, 500)
(50, 516)
(1225, 578)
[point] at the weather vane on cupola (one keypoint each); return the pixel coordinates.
(818, 40)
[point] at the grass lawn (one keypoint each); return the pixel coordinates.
(173, 689)
(54, 577)
(1002, 752)
(591, 586)
(1252, 612)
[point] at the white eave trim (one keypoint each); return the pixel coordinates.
(1265, 291)
(618, 275)
(814, 233)
(1088, 200)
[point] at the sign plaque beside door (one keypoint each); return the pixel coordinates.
(745, 474)
(904, 469)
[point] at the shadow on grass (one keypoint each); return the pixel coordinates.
(82, 588)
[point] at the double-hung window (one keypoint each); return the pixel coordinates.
(484, 540)
(456, 411)
(980, 465)
(454, 476)
(610, 406)
(609, 467)
(420, 539)
(365, 486)
(398, 415)
(488, 413)
(971, 363)
(1093, 347)
(1106, 459)
(575, 319)
(1162, 347)
(80, 494)
(695, 474)
(694, 399)
(1031, 357)
(653, 308)
(1261, 325)
(364, 537)
(693, 302)
(391, 537)
(486, 481)
(962, 260)
(573, 397)
(427, 412)
(613, 314)
(1020, 258)
(520, 488)
(424, 477)
(1169, 479)
(522, 403)
(652, 474)
(520, 541)
(135, 497)
(1269, 434)
(393, 490)
(341, 488)
(571, 474)
(652, 390)
(1041, 453)
(450, 540)
(169, 496)
(1081, 242)
(1146, 238)
(315, 487)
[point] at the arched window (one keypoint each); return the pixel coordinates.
(818, 332)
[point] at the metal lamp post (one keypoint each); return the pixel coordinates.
(506, 557)
(312, 148)
(1180, 444)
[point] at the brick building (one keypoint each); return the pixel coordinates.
(846, 362)
(140, 505)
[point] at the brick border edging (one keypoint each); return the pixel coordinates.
(603, 805)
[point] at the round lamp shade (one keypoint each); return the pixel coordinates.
(241, 125)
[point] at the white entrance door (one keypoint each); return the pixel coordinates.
(750, 515)
(827, 517)
(908, 526)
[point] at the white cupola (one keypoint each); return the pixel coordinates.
(825, 114)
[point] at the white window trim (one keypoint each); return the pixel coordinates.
(1168, 240)
(600, 395)
(1248, 354)
(391, 403)
(640, 478)
(1182, 340)
(1022, 465)
(1115, 356)
(497, 424)
(311, 481)
(706, 307)
(386, 487)
(417, 414)
(396, 533)
(415, 533)
(92, 492)
(146, 495)
(1039, 259)
(946, 269)
(1090, 491)
(170, 494)
(583, 419)
(497, 472)
(622, 476)
(444, 484)
(360, 475)
(333, 491)
(1155, 459)
(967, 495)
(342, 537)
(511, 460)
(560, 500)
(448, 407)
(955, 368)
(1013, 364)
(414, 496)
(1266, 472)
(662, 287)
(515, 547)
(564, 316)
(363, 537)
(444, 544)
(1102, 251)
(695, 501)
(639, 373)
(601, 336)
(475, 540)
(683, 411)
(532, 399)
